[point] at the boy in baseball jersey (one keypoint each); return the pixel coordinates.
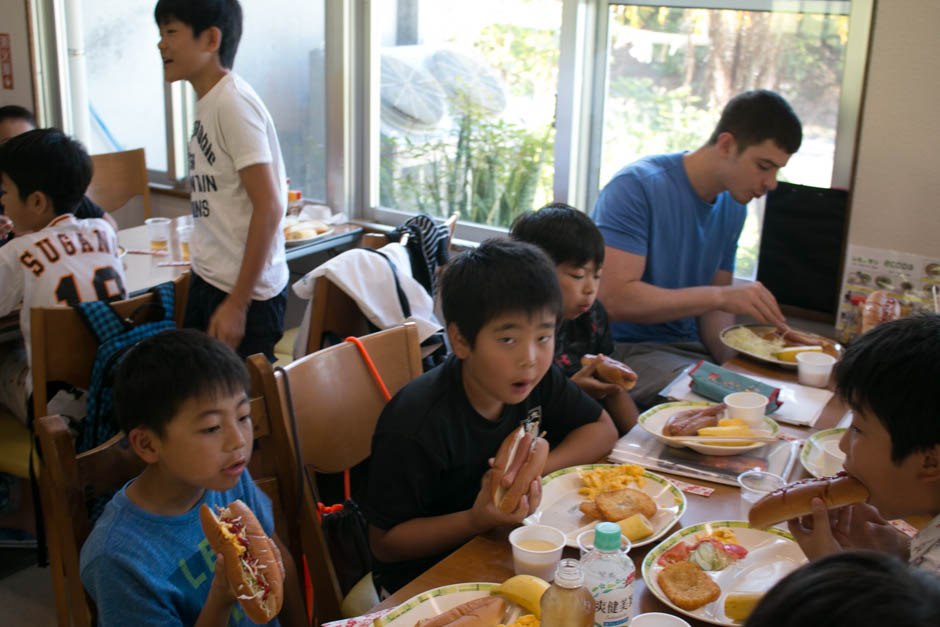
(238, 185)
(55, 259)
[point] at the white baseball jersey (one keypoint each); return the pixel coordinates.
(68, 262)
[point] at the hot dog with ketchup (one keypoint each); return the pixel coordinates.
(518, 450)
(252, 567)
(794, 500)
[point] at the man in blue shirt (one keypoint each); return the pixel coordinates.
(671, 225)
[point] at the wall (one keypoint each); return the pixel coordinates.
(13, 23)
(895, 200)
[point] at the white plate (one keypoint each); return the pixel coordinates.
(560, 501)
(772, 554)
(437, 601)
(290, 243)
(760, 329)
(821, 456)
(654, 419)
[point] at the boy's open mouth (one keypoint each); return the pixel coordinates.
(519, 386)
(235, 468)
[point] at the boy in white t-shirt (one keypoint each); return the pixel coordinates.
(237, 179)
(55, 259)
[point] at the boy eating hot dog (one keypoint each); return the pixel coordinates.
(430, 488)
(181, 398)
(892, 446)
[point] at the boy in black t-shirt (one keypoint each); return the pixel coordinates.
(434, 440)
(576, 246)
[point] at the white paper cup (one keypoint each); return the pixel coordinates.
(527, 559)
(657, 619)
(755, 484)
(747, 406)
(813, 368)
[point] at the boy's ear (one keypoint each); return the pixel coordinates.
(145, 443)
(38, 202)
(212, 38)
(458, 342)
(727, 145)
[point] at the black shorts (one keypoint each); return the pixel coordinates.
(264, 322)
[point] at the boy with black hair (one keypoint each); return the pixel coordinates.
(671, 224)
(576, 246)
(15, 120)
(238, 186)
(60, 260)
(887, 376)
(181, 398)
(429, 481)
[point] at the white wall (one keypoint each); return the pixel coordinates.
(13, 23)
(895, 203)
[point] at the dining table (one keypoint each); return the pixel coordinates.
(488, 557)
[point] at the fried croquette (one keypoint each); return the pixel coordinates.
(687, 585)
(623, 503)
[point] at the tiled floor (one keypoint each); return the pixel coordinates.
(25, 595)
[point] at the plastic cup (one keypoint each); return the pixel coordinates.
(657, 619)
(747, 406)
(754, 485)
(586, 542)
(158, 230)
(183, 233)
(536, 550)
(813, 368)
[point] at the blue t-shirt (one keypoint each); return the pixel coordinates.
(145, 569)
(650, 208)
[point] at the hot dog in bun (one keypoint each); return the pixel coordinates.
(252, 566)
(794, 500)
(518, 450)
(611, 370)
(485, 612)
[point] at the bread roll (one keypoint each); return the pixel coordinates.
(794, 500)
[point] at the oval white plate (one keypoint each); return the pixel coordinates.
(821, 456)
(560, 501)
(290, 243)
(654, 419)
(772, 554)
(760, 329)
(438, 600)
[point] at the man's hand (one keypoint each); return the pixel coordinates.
(592, 386)
(752, 299)
(228, 322)
(485, 515)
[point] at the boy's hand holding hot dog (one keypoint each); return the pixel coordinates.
(512, 489)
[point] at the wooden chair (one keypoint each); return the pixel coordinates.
(336, 403)
(118, 177)
(71, 480)
(64, 349)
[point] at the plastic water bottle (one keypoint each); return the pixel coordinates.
(610, 576)
(567, 603)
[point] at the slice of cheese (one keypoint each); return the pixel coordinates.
(739, 605)
(636, 527)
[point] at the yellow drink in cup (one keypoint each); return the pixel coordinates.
(158, 230)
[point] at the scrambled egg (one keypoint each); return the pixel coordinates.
(724, 534)
(593, 482)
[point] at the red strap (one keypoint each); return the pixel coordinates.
(372, 368)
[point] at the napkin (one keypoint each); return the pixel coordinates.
(714, 383)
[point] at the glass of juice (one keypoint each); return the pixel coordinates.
(158, 230)
(536, 550)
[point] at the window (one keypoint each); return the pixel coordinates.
(467, 106)
(129, 105)
(671, 69)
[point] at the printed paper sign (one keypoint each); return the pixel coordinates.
(6, 61)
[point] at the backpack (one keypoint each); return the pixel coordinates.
(115, 337)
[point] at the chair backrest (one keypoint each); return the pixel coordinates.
(118, 177)
(64, 349)
(69, 481)
(337, 403)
